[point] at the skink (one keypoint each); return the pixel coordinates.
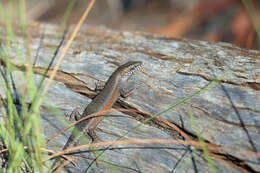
(103, 101)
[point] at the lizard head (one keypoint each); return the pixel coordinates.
(128, 69)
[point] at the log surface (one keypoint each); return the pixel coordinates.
(227, 114)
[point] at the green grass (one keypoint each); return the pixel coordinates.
(202, 143)
(18, 124)
(20, 129)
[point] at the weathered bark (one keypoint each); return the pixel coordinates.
(227, 114)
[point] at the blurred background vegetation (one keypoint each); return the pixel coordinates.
(233, 21)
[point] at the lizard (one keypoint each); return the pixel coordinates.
(103, 101)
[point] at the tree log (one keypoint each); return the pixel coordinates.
(226, 115)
